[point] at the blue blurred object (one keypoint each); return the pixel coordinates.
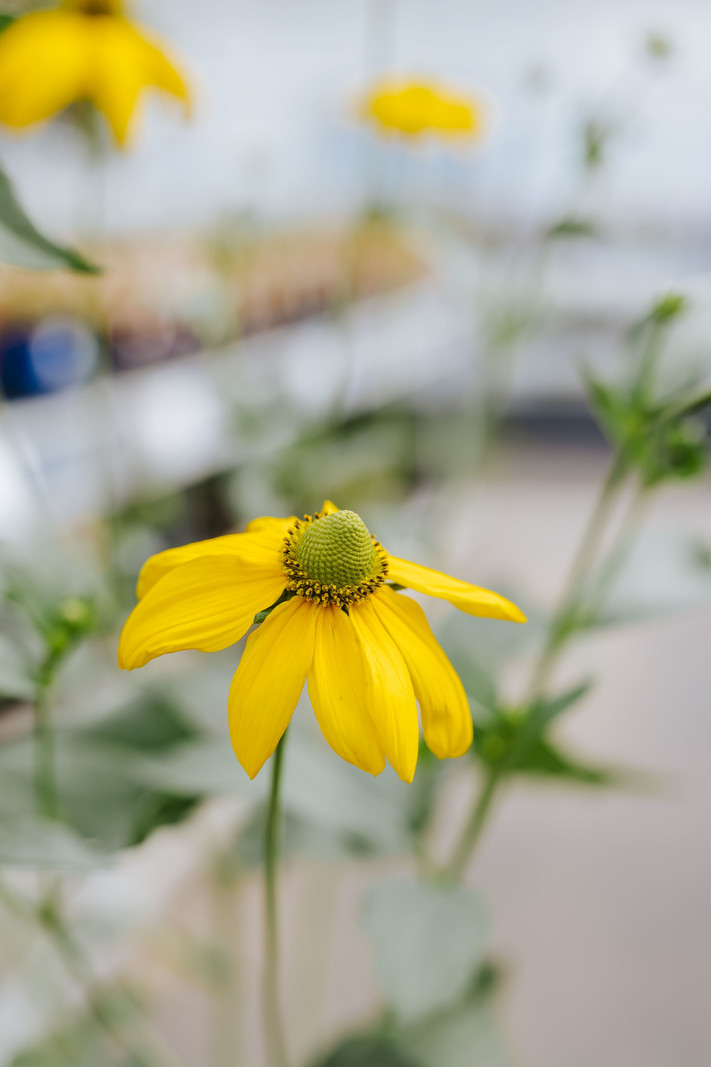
(45, 358)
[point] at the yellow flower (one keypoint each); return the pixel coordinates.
(81, 50)
(367, 652)
(416, 108)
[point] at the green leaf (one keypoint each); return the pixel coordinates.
(325, 790)
(102, 796)
(16, 682)
(572, 227)
(690, 402)
(151, 723)
(30, 841)
(203, 766)
(546, 710)
(367, 1051)
(428, 942)
(6, 19)
(466, 1036)
(543, 759)
(22, 244)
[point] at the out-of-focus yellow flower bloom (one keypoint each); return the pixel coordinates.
(367, 652)
(81, 50)
(417, 108)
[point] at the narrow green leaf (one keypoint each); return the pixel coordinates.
(543, 759)
(22, 244)
(544, 712)
(690, 402)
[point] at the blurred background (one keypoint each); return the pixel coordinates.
(296, 303)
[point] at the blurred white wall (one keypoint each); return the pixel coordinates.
(275, 78)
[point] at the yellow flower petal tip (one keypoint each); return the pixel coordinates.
(82, 50)
(413, 109)
(333, 620)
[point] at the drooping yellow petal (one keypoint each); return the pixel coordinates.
(391, 698)
(328, 508)
(338, 690)
(206, 604)
(125, 63)
(444, 708)
(269, 679)
(45, 60)
(259, 547)
(469, 598)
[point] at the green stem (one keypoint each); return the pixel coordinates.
(562, 627)
(563, 624)
(50, 920)
(474, 825)
(274, 1031)
(619, 551)
(102, 1014)
(46, 794)
(46, 791)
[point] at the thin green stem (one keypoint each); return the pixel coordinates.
(563, 624)
(100, 1011)
(49, 919)
(562, 627)
(469, 838)
(619, 551)
(274, 1031)
(46, 793)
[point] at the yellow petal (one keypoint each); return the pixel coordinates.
(206, 604)
(328, 508)
(391, 698)
(444, 708)
(45, 60)
(337, 687)
(260, 547)
(269, 679)
(468, 598)
(125, 63)
(268, 522)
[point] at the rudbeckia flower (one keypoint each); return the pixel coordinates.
(365, 649)
(416, 108)
(81, 50)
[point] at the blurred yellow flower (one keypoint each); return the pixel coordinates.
(367, 651)
(417, 108)
(81, 50)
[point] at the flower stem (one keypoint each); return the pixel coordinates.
(48, 918)
(474, 825)
(46, 792)
(46, 799)
(274, 1032)
(563, 626)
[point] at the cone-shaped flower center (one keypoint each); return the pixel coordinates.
(337, 549)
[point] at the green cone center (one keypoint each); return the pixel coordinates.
(337, 549)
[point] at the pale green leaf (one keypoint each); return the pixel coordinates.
(30, 841)
(23, 245)
(428, 943)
